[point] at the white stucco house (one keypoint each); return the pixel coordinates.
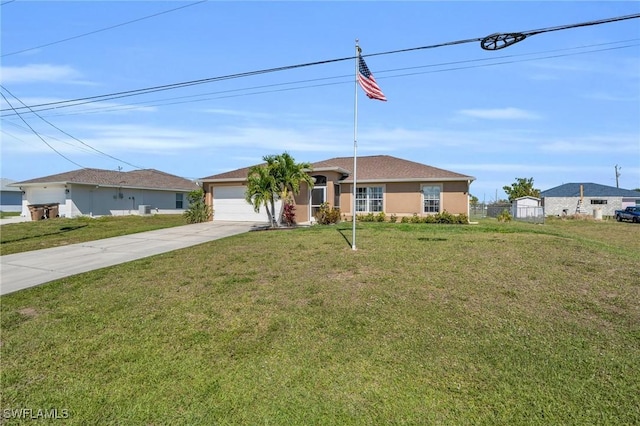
(97, 192)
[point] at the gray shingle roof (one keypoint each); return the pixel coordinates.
(3, 185)
(146, 178)
(370, 168)
(588, 190)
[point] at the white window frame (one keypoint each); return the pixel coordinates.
(423, 198)
(369, 199)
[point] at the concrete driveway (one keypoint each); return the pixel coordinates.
(24, 270)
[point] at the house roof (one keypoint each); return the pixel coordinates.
(373, 168)
(588, 190)
(381, 168)
(145, 178)
(3, 185)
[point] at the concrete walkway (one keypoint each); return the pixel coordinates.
(24, 270)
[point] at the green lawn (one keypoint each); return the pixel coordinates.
(26, 236)
(4, 215)
(423, 324)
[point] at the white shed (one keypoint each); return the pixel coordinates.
(526, 208)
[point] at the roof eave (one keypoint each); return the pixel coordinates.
(460, 179)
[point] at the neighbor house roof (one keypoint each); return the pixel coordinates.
(588, 190)
(3, 185)
(145, 178)
(373, 168)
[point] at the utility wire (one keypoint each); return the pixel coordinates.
(127, 93)
(38, 135)
(6, 2)
(233, 92)
(152, 89)
(100, 30)
(71, 136)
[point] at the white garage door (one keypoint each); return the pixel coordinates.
(229, 204)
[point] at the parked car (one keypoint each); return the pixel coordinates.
(630, 213)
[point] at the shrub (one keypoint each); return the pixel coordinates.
(444, 217)
(381, 217)
(505, 216)
(327, 215)
(369, 217)
(198, 211)
(289, 214)
(405, 219)
(393, 218)
(416, 219)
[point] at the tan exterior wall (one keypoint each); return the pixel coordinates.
(455, 197)
(405, 198)
(302, 204)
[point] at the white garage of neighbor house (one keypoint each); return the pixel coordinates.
(10, 197)
(97, 192)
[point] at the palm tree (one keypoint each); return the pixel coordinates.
(288, 176)
(261, 190)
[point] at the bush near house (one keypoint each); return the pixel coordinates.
(327, 215)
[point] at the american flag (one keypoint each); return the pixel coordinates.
(367, 82)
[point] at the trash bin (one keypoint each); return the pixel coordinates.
(37, 211)
(53, 210)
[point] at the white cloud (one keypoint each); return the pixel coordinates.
(500, 114)
(41, 73)
(622, 143)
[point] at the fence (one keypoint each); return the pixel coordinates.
(534, 214)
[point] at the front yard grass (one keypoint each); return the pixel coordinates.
(424, 324)
(27, 236)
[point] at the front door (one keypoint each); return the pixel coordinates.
(318, 196)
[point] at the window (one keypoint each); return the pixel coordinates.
(598, 201)
(179, 200)
(369, 199)
(336, 195)
(431, 197)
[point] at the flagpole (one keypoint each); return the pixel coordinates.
(355, 147)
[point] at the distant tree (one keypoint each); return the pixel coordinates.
(522, 187)
(198, 210)
(473, 200)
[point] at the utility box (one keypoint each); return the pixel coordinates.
(144, 209)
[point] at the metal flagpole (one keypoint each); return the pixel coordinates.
(355, 147)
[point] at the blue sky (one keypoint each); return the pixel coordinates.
(561, 106)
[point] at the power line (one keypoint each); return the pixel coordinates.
(230, 93)
(38, 135)
(71, 136)
(128, 93)
(102, 29)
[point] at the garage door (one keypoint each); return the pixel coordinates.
(229, 204)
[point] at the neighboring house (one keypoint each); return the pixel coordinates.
(10, 197)
(584, 198)
(96, 192)
(384, 184)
